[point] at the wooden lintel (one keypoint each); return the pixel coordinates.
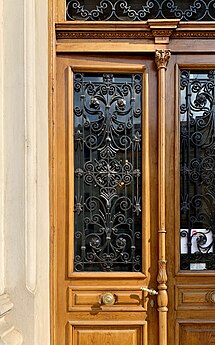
(158, 30)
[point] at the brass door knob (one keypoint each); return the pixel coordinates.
(108, 298)
(211, 296)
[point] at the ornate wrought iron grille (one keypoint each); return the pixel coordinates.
(197, 118)
(107, 138)
(134, 10)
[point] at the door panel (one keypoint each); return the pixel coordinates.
(197, 334)
(107, 335)
(87, 299)
(86, 312)
(190, 308)
(131, 316)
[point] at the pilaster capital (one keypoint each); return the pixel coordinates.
(162, 57)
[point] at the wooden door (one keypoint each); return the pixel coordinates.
(103, 300)
(106, 143)
(190, 208)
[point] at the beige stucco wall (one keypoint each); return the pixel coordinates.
(24, 213)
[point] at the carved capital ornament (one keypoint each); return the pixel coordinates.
(162, 57)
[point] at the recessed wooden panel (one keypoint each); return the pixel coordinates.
(86, 299)
(193, 297)
(197, 334)
(110, 335)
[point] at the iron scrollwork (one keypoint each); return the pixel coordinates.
(118, 10)
(197, 118)
(107, 138)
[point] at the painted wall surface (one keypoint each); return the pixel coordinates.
(24, 212)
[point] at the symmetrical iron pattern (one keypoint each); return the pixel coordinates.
(107, 138)
(133, 10)
(197, 118)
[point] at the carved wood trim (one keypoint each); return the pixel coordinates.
(152, 29)
(162, 57)
(193, 34)
(62, 34)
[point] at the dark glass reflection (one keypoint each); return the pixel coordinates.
(197, 136)
(107, 135)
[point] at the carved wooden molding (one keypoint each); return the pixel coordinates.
(162, 57)
(102, 35)
(193, 34)
(63, 34)
(159, 30)
(162, 29)
(162, 287)
(162, 275)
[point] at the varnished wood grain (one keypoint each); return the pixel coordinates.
(111, 336)
(197, 334)
(70, 164)
(193, 297)
(132, 304)
(187, 290)
(52, 169)
(106, 66)
(124, 46)
(162, 59)
(86, 299)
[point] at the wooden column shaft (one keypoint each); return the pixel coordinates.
(161, 59)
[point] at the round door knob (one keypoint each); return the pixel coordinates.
(108, 298)
(211, 296)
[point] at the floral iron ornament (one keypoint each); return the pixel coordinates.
(107, 138)
(197, 118)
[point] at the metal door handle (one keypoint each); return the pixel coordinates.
(107, 298)
(152, 292)
(211, 296)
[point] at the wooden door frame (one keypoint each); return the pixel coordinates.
(123, 37)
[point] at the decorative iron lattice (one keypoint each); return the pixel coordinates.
(134, 10)
(197, 118)
(107, 138)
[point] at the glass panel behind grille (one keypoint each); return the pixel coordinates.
(107, 138)
(197, 119)
(134, 10)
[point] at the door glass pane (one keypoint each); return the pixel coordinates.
(136, 10)
(107, 137)
(197, 169)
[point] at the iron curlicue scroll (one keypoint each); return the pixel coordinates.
(197, 136)
(108, 181)
(134, 10)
